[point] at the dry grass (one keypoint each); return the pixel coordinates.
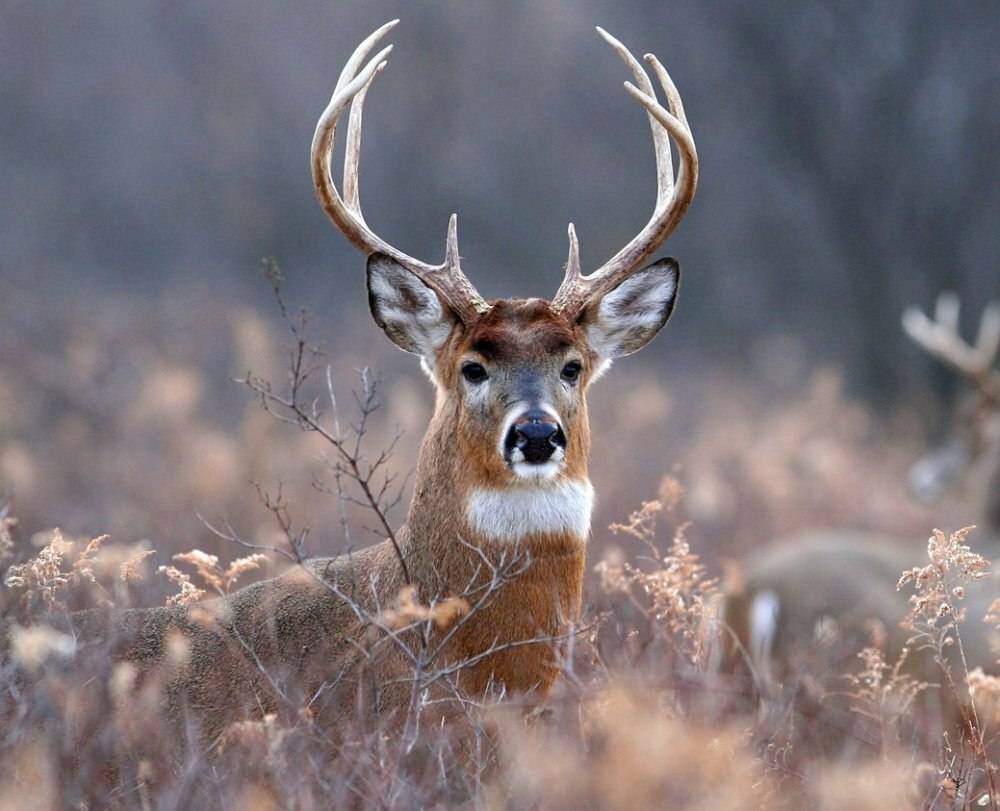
(646, 715)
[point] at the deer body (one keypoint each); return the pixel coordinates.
(502, 501)
(280, 644)
(810, 602)
(795, 590)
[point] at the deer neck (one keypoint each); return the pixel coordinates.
(514, 551)
(460, 511)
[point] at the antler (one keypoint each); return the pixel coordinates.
(447, 278)
(940, 337)
(672, 199)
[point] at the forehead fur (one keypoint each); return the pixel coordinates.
(519, 327)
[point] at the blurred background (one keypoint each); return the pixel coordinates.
(154, 153)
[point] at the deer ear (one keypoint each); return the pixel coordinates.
(627, 317)
(406, 309)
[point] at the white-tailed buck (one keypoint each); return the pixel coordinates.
(490, 562)
(796, 590)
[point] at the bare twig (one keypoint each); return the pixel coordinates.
(292, 406)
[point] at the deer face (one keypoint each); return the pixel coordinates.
(513, 378)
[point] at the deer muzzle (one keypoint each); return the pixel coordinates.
(534, 438)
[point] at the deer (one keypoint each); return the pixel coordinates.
(793, 592)
(497, 528)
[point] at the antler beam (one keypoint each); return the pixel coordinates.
(672, 198)
(447, 278)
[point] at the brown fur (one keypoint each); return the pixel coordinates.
(515, 334)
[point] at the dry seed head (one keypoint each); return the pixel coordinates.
(883, 691)
(681, 595)
(84, 566)
(949, 557)
(55, 539)
(105, 561)
(178, 649)
(128, 570)
(241, 566)
(43, 575)
(189, 592)
(122, 681)
(407, 610)
(449, 611)
(642, 522)
(952, 563)
(206, 565)
(8, 526)
(33, 646)
(208, 568)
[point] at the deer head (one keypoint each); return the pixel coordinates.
(975, 431)
(511, 374)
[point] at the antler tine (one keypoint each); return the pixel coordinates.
(446, 279)
(940, 337)
(947, 309)
(352, 151)
(351, 84)
(661, 143)
(672, 196)
(988, 337)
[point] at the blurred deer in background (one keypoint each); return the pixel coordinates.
(484, 581)
(974, 443)
(795, 591)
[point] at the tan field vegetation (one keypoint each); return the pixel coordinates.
(115, 435)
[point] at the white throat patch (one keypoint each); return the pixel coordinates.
(509, 515)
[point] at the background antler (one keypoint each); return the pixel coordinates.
(446, 279)
(672, 199)
(940, 337)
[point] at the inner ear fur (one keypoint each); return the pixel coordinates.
(409, 312)
(627, 317)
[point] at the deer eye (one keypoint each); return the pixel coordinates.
(474, 372)
(571, 371)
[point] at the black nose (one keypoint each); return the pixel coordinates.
(537, 435)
